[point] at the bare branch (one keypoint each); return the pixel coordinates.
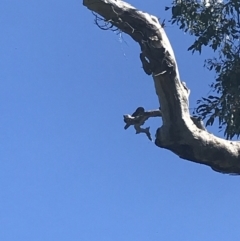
(178, 132)
(106, 25)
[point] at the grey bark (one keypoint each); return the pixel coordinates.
(179, 133)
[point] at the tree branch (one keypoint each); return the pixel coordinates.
(178, 133)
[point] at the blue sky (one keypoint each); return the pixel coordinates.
(68, 170)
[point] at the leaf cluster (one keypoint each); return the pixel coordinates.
(215, 24)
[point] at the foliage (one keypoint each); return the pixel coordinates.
(215, 24)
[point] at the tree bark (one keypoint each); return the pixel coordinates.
(179, 132)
